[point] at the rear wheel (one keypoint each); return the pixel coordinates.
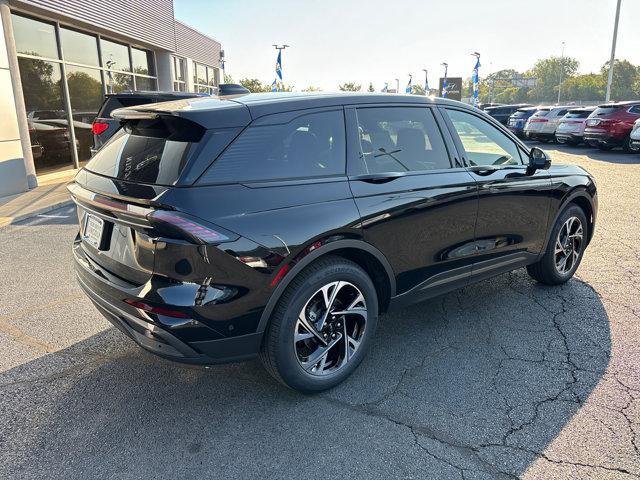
(322, 326)
(629, 148)
(565, 249)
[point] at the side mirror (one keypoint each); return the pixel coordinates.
(538, 159)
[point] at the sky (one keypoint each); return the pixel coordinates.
(333, 41)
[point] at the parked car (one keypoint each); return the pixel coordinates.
(104, 126)
(281, 225)
(610, 126)
(518, 119)
(483, 106)
(571, 127)
(543, 123)
(635, 136)
(503, 112)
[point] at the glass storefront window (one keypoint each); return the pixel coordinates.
(178, 69)
(144, 83)
(211, 76)
(115, 56)
(118, 82)
(179, 87)
(200, 74)
(34, 38)
(78, 47)
(85, 94)
(46, 114)
(142, 61)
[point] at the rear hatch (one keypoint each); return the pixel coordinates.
(603, 117)
(121, 193)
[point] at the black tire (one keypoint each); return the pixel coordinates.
(278, 352)
(630, 148)
(545, 270)
(605, 147)
(543, 139)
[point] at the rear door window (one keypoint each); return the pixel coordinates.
(400, 139)
(309, 146)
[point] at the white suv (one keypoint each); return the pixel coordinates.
(571, 127)
(635, 136)
(542, 124)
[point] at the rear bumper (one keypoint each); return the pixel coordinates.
(568, 137)
(148, 330)
(602, 138)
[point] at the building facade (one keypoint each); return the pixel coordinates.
(58, 58)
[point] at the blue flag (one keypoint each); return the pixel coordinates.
(385, 89)
(274, 85)
(444, 83)
(408, 89)
(476, 82)
(279, 65)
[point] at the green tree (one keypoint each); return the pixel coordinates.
(254, 85)
(417, 90)
(311, 88)
(85, 91)
(588, 87)
(228, 78)
(350, 87)
(625, 75)
(371, 89)
(548, 73)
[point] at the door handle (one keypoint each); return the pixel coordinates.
(484, 170)
(378, 178)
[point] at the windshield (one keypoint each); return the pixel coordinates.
(606, 110)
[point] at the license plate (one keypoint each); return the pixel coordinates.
(93, 227)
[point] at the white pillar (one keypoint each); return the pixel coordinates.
(17, 171)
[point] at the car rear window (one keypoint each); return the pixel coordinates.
(311, 145)
(148, 151)
(608, 110)
(541, 113)
(522, 114)
(112, 103)
(578, 114)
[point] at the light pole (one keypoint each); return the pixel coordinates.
(613, 53)
(443, 93)
(279, 62)
(426, 81)
(476, 79)
(397, 85)
(561, 72)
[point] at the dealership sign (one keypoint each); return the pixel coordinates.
(454, 88)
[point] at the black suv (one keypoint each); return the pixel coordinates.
(281, 225)
(503, 112)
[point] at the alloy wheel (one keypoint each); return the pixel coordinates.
(330, 328)
(568, 245)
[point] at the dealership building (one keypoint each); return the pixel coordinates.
(58, 58)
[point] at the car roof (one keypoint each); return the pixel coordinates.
(240, 110)
(620, 104)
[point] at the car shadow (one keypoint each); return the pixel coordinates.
(482, 379)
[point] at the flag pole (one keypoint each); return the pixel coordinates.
(280, 48)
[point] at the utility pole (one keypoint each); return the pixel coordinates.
(613, 52)
(426, 81)
(561, 72)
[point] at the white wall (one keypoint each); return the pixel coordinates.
(13, 175)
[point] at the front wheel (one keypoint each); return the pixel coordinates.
(630, 147)
(564, 250)
(322, 326)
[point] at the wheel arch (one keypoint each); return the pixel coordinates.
(580, 197)
(369, 258)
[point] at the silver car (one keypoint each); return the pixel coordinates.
(542, 124)
(571, 127)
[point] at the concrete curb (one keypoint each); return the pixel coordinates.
(37, 211)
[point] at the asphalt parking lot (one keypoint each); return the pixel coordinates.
(504, 379)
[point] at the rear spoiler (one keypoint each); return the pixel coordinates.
(127, 113)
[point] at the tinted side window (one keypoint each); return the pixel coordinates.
(483, 143)
(400, 139)
(635, 109)
(311, 145)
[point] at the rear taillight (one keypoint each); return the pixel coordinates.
(538, 120)
(176, 224)
(157, 310)
(99, 127)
